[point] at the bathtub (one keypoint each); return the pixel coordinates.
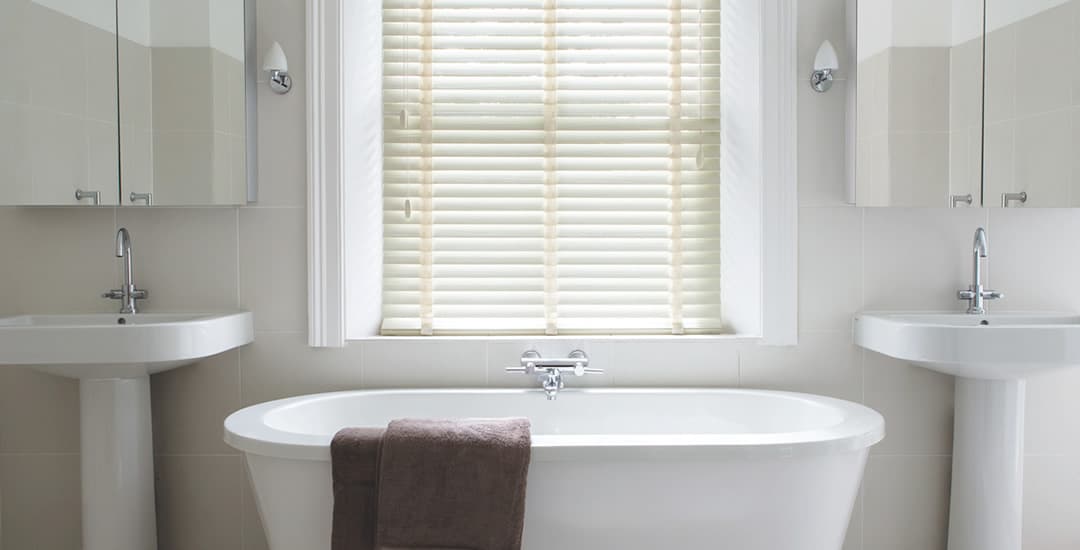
(611, 469)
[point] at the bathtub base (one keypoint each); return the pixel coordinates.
(769, 504)
(118, 510)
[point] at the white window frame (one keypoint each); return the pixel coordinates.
(759, 171)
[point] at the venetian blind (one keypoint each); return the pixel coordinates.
(551, 167)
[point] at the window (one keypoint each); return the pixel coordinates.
(753, 154)
(551, 167)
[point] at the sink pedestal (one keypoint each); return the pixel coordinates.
(988, 465)
(118, 511)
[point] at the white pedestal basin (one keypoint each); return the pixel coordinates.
(990, 355)
(113, 356)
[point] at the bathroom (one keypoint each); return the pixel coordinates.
(852, 249)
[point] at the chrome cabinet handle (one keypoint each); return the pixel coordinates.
(1008, 198)
(93, 195)
(147, 198)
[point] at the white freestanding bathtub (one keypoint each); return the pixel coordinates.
(611, 469)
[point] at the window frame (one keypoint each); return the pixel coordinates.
(344, 113)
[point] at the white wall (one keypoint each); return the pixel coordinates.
(254, 257)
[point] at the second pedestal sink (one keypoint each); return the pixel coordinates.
(990, 355)
(113, 355)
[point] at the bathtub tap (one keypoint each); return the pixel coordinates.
(549, 372)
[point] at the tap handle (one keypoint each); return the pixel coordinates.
(140, 294)
(517, 370)
(965, 294)
(992, 295)
(114, 294)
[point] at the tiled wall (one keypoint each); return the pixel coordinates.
(254, 257)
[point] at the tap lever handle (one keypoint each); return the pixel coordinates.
(992, 295)
(518, 370)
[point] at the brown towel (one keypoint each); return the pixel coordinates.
(354, 458)
(440, 484)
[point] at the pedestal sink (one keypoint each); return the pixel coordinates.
(990, 355)
(113, 357)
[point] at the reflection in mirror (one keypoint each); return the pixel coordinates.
(919, 102)
(58, 102)
(1032, 95)
(182, 97)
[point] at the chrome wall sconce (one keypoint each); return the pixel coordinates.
(275, 63)
(826, 63)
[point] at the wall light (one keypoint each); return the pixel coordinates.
(825, 63)
(275, 63)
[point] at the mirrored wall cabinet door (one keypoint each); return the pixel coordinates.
(968, 103)
(127, 102)
(919, 102)
(58, 103)
(184, 129)
(1032, 101)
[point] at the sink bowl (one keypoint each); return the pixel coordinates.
(119, 346)
(999, 346)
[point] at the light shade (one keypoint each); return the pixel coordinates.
(275, 59)
(826, 57)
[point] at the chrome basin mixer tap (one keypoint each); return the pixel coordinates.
(976, 294)
(127, 294)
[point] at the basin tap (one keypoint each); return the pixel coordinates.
(128, 294)
(975, 293)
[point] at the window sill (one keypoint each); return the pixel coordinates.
(713, 338)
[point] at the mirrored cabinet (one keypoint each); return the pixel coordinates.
(127, 102)
(967, 103)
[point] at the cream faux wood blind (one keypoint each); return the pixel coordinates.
(551, 167)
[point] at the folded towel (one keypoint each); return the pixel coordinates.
(354, 459)
(448, 484)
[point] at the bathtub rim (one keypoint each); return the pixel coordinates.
(861, 428)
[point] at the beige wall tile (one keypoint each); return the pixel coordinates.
(830, 267)
(698, 364)
(1025, 262)
(273, 267)
(280, 364)
(917, 404)
(906, 502)
(190, 405)
(1051, 484)
(825, 363)
(198, 502)
(425, 364)
(50, 401)
(821, 119)
(185, 257)
(69, 261)
(41, 502)
(916, 259)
